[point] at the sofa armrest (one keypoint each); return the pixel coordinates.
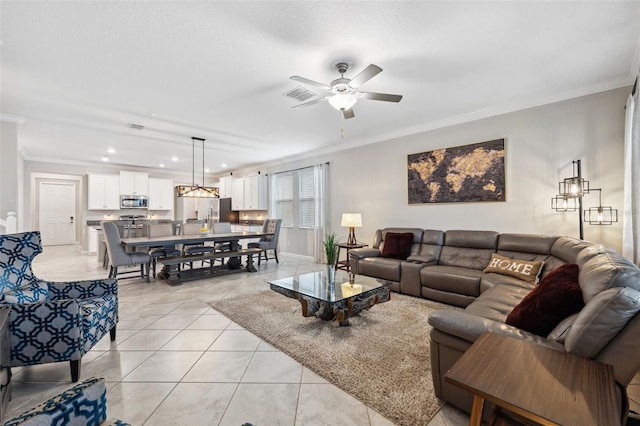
(85, 403)
(82, 289)
(355, 255)
(361, 253)
(460, 324)
(469, 327)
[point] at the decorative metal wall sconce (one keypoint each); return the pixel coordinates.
(572, 190)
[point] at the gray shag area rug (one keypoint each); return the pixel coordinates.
(382, 359)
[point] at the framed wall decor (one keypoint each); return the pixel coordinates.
(467, 173)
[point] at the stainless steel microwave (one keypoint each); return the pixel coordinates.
(134, 202)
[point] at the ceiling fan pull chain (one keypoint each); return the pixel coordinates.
(341, 126)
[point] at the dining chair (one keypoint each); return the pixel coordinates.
(268, 242)
(160, 230)
(193, 228)
(119, 257)
(222, 228)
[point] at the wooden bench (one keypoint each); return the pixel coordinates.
(175, 276)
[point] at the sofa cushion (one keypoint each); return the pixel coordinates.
(555, 298)
(522, 269)
(601, 320)
(559, 333)
(451, 279)
(606, 270)
(526, 243)
(489, 280)
(397, 245)
(497, 302)
(380, 267)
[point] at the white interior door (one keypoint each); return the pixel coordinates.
(57, 210)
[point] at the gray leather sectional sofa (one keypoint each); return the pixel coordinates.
(447, 266)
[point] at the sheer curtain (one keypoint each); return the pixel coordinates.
(321, 178)
(631, 214)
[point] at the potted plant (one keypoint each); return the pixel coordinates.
(330, 248)
(331, 252)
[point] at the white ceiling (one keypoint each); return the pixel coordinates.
(80, 72)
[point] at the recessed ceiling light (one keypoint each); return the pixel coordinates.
(206, 170)
(174, 158)
(152, 114)
(111, 151)
(224, 165)
(161, 165)
(105, 158)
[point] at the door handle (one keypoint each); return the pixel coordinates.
(71, 219)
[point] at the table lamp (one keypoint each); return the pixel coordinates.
(351, 221)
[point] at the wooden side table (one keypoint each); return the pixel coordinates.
(344, 264)
(541, 384)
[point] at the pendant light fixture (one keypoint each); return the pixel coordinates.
(197, 191)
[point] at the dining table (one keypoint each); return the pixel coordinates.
(172, 266)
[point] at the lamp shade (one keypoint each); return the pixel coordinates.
(351, 220)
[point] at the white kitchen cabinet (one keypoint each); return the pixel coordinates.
(255, 193)
(160, 194)
(237, 194)
(249, 193)
(225, 186)
(134, 183)
(103, 192)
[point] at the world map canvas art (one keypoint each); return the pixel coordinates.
(468, 173)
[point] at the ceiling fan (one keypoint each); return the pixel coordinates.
(342, 93)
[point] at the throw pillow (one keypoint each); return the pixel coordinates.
(556, 297)
(397, 245)
(522, 269)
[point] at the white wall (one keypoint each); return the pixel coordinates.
(9, 169)
(540, 144)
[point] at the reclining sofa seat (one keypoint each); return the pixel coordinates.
(607, 329)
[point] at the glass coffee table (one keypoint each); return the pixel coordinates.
(339, 301)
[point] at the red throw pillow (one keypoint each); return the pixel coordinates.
(556, 297)
(397, 245)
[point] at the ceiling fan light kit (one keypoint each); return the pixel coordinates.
(342, 93)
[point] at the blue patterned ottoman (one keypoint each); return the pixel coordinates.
(83, 405)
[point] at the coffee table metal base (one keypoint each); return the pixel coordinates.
(340, 310)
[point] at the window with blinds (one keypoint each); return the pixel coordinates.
(295, 198)
(306, 195)
(284, 198)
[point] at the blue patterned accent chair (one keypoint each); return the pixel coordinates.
(52, 321)
(83, 404)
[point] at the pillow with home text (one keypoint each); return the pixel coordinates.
(522, 269)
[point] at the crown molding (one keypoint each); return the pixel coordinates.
(8, 118)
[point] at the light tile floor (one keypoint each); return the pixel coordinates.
(176, 361)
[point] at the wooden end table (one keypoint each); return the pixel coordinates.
(541, 384)
(344, 264)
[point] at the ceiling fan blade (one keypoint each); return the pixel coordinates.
(309, 82)
(380, 97)
(348, 113)
(365, 75)
(309, 103)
